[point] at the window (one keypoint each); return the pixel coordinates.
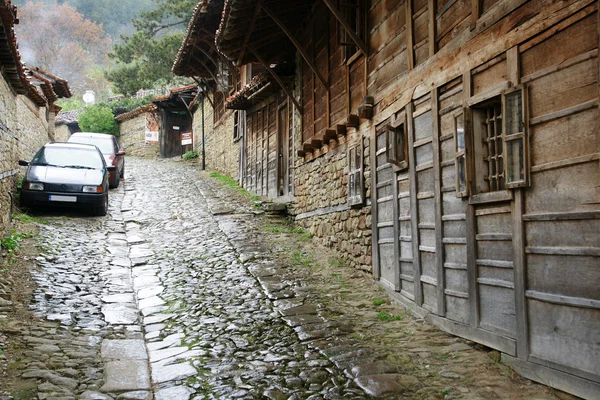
(219, 105)
(460, 158)
(354, 12)
(355, 176)
(396, 146)
(498, 151)
(239, 125)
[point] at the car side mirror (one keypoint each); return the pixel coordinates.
(23, 163)
(121, 153)
(111, 168)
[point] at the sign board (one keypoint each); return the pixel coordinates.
(186, 138)
(151, 137)
(175, 128)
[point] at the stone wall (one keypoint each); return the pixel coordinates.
(61, 133)
(222, 153)
(23, 130)
(133, 136)
(320, 203)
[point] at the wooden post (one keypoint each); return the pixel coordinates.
(432, 27)
(437, 191)
(414, 211)
(409, 35)
(518, 236)
(359, 42)
(471, 229)
(374, 211)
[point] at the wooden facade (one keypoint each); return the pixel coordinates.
(468, 130)
(492, 226)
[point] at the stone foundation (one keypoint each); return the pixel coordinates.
(321, 204)
(221, 153)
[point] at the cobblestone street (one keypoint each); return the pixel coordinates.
(186, 291)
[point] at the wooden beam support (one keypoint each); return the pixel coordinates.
(437, 190)
(330, 134)
(205, 67)
(357, 40)
(432, 26)
(353, 121)
(340, 130)
(249, 33)
(316, 143)
(298, 46)
(207, 54)
(409, 35)
(277, 78)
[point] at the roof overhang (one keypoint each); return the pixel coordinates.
(10, 59)
(198, 55)
(177, 99)
(247, 29)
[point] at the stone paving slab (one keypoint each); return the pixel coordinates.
(126, 375)
(124, 349)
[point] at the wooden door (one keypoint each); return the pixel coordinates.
(282, 151)
(386, 266)
(492, 279)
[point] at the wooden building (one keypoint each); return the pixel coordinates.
(175, 120)
(450, 147)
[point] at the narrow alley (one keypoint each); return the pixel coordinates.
(186, 291)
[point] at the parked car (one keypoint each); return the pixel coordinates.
(109, 146)
(67, 174)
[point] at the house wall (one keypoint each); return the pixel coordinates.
(510, 269)
(133, 135)
(221, 152)
(61, 133)
(23, 130)
(321, 203)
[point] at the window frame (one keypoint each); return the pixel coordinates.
(355, 175)
(520, 137)
(360, 25)
(464, 154)
(394, 131)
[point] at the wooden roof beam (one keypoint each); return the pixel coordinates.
(249, 33)
(205, 67)
(277, 78)
(206, 53)
(297, 44)
(338, 15)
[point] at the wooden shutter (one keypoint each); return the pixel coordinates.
(515, 138)
(460, 155)
(355, 175)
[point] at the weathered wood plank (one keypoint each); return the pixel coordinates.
(565, 163)
(564, 251)
(414, 210)
(562, 216)
(563, 300)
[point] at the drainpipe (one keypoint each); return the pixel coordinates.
(203, 158)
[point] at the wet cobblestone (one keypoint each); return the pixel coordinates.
(180, 293)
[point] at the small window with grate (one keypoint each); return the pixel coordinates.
(355, 175)
(498, 150)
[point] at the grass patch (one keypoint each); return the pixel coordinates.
(190, 155)
(384, 316)
(28, 219)
(302, 258)
(11, 242)
(283, 229)
(232, 183)
(378, 302)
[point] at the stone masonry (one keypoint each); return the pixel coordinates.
(222, 153)
(321, 189)
(133, 133)
(23, 130)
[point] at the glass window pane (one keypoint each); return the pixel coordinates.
(514, 113)
(462, 176)
(515, 171)
(460, 133)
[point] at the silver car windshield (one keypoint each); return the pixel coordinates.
(105, 145)
(68, 157)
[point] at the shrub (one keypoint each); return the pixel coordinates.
(190, 154)
(98, 119)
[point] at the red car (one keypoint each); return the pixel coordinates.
(112, 152)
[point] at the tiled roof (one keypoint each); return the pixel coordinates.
(174, 91)
(197, 55)
(67, 117)
(136, 112)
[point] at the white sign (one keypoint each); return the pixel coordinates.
(175, 128)
(151, 137)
